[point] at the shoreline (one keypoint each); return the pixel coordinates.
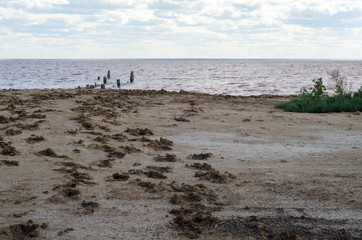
(161, 91)
(149, 164)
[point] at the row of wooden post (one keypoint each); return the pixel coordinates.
(103, 86)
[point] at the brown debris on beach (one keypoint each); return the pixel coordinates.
(133, 164)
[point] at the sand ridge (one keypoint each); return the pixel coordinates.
(132, 164)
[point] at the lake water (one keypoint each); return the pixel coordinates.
(234, 77)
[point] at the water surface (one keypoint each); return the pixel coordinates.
(234, 77)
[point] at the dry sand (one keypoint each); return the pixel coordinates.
(109, 164)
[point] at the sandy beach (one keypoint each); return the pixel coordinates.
(132, 164)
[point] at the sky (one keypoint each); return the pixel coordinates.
(302, 29)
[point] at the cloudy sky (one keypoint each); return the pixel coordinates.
(181, 29)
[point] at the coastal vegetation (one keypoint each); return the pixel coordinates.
(317, 99)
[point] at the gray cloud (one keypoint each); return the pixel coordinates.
(316, 19)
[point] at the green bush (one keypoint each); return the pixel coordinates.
(317, 100)
(318, 89)
(359, 93)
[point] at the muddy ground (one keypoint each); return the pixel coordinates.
(117, 164)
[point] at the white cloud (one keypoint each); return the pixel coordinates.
(194, 19)
(330, 7)
(200, 28)
(124, 16)
(128, 2)
(9, 13)
(38, 3)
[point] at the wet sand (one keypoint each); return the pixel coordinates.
(117, 164)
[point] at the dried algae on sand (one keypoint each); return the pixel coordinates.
(132, 164)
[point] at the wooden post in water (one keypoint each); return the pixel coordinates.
(109, 74)
(118, 83)
(104, 80)
(131, 78)
(103, 86)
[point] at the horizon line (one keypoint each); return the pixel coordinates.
(294, 59)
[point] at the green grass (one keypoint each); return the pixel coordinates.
(306, 102)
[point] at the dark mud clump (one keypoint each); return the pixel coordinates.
(120, 176)
(73, 165)
(119, 137)
(52, 95)
(116, 154)
(105, 148)
(196, 212)
(161, 169)
(199, 191)
(214, 176)
(79, 177)
(45, 110)
(167, 158)
(35, 139)
(72, 131)
(148, 186)
(144, 139)
(48, 153)
(181, 119)
(84, 121)
(201, 156)
(61, 233)
(186, 187)
(11, 100)
(22, 115)
(87, 125)
(286, 228)
(102, 139)
(13, 132)
(150, 173)
(162, 144)
(200, 166)
(135, 171)
(139, 131)
(4, 119)
(9, 163)
(178, 199)
(103, 163)
(154, 174)
(20, 231)
(32, 126)
(8, 150)
(92, 133)
(131, 149)
(90, 206)
(193, 220)
(37, 116)
(70, 192)
(112, 152)
(108, 149)
(89, 107)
